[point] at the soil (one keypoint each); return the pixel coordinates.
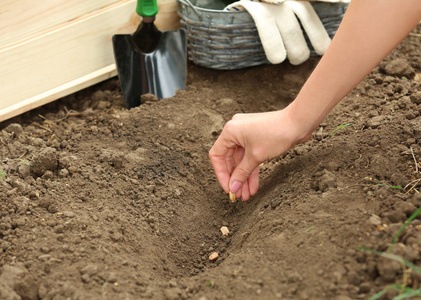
(100, 202)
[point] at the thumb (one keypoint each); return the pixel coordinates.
(242, 172)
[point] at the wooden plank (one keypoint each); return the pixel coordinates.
(22, 18)
(167, 17)
(64, 54)
(58, 92)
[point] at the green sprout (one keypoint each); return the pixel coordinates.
(404, 291)
(24, 161)
(310, 228)
(2, 174)
(340, 127)
(407, 292)
(410, 219)
(392, 186)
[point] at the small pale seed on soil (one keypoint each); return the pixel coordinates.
(375, 220)
(225, 231)
(213, 256)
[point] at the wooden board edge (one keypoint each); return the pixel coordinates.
(58, 92)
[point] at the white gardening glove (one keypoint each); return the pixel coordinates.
(280, 31)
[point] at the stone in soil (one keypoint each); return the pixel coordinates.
(398, 67)
(45, 160)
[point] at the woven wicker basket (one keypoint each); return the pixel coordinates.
(226, 40)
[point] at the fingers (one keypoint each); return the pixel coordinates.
(254, 181)
(251, 185)
(238, 156)
(221, 159)
(229, 160)
(220, 167)
(292, 35)
(243, 170)
(314, 28)
(221, 155)
(245, 191)
(235, 167)
(268, 32)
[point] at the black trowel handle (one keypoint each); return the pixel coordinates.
(147, 36)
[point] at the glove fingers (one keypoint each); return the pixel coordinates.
(293, 37)
(314, 28)
(268, 31)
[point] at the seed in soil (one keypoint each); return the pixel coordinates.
(225, 231)
(213, 256)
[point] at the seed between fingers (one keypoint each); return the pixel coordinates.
(232, 196)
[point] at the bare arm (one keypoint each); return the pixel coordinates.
(369, 31)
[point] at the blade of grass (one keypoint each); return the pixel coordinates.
(310, 228)
(24, 161)
(410, 219)
(409, 293)
(394, 257)
(384, 291)
(340, 127)
(392, 186)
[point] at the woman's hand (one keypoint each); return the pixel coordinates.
(245, 142)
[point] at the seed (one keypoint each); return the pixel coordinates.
(232, 196)
(225, 231)
(213, 256)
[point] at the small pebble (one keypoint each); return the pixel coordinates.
(375, 220)
(14, 128)
(44, 257)
(69, 214)
(148, 98)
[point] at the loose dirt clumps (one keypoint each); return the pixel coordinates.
(102, 202)
(45, 160)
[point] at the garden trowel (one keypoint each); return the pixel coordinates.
(150, 61)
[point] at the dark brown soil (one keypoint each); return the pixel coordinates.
(98, 202)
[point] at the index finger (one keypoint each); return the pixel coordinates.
(222, 162)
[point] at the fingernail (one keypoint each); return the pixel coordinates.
(235, 186)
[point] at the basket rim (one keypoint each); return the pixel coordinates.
(208, 10)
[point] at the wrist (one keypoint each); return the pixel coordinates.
(300, 125)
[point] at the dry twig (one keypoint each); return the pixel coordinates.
(24, 153)
(415, 160)
(413, 187)
(42, 127)
(69, 113)
(7, 146)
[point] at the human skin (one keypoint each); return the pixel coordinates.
(369, 31)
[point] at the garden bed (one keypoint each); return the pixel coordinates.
(101, 202)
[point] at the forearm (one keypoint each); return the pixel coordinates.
(369, 31)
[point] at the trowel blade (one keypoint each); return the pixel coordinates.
(161, 72)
